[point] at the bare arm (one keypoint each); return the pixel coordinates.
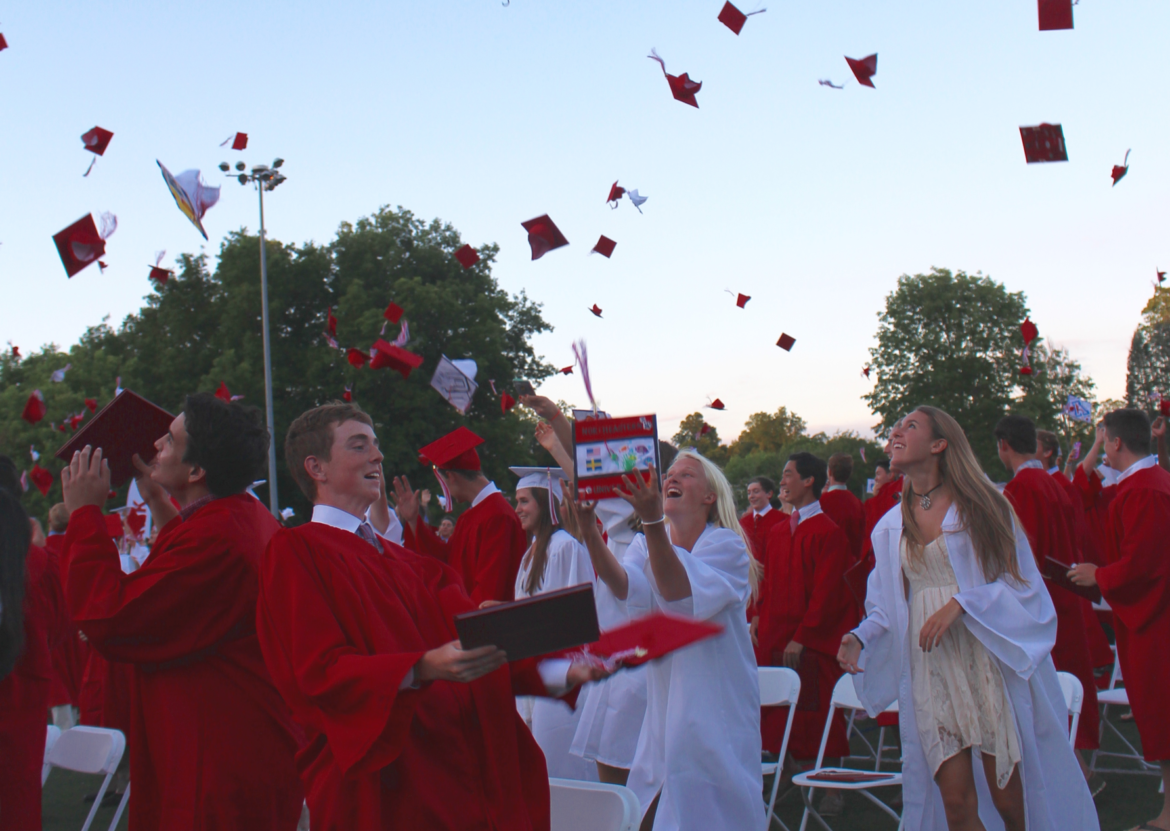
(1089, 463)
(669, 572)
(604, 562)
(549, 411)
(549, 441)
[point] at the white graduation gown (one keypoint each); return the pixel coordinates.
(553, 722)
(1017, 625)
(700, 740)
(612, 710)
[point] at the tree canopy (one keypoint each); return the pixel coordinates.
(203, 327)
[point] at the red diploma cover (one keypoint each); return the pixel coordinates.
(127, 425)
(1057, 572)
(539, 625)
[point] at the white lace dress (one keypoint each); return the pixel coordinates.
(959, 695)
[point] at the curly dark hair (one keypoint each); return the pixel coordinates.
(229, 441)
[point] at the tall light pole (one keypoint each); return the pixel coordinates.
(265, 178)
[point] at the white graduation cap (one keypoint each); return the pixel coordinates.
(455, 381)
(542, 477)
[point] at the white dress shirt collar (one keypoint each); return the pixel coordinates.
(809, 511)
(763, 512)
(1140, 464)
(487, 491)
(1055, 469)
(1031, 463)
(834, 487)
(336, 518)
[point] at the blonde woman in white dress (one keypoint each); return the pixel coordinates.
(958, 630)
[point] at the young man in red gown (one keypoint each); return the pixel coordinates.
(211, 743)
(761, 516)
(489, 540)
(841, 505)
(405, 729)
(1136, 582)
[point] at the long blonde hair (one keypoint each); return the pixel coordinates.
(722, 513)
(984, 512)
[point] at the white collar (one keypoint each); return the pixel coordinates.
(1055, 469)
(336, 518)
(487, 491)
(1034, 464)
(834, 487)
(809, 511)
(1140, 464)
(763, 512)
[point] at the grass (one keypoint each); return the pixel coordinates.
(1126, 801)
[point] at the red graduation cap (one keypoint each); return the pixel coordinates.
(91, 404)
(596, 310)
(786, 342)
(615, 194)
(543, 235)
(1055, 14)
(395, 357)
(467, 256)
(16, 349)
(1025, 370)
(3, 43)
(864, 69)
(454, 451)
(34, 408)
(681, 86)
(604, 246)
(356, 357)
(741, 300)
(348, 394)
(79, 245)
(651, 637)
(1161, 279)
(717, 405)
(507, 402)
(566, 370)
(41, 478)
(239, 141)
(1044, 143)
(160, 275)
(330, 322)
(1120, 170)
(74, 421)
(865, 371)
(393, 312)
(733, 18)
(97, 140)
(223, 393)
(1028, 330)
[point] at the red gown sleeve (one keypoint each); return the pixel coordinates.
(174, 605)
(1137, 582)
(496, 559)
(424, 540)
(831, 608)
(351, 697)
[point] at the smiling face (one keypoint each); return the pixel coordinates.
(351, 478)
(685, 490)
(795, 489)
(528, 509)
(880, 477)
(912, 443)
(758, 498)
(446, 529)
(168, 468)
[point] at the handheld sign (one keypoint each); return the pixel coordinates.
(607, 449)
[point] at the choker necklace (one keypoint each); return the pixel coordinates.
(924, 498)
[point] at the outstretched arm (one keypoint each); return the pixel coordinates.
(604, 562)
(1089, 463)
(669, 572)
(550, 412)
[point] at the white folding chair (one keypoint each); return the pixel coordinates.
(779, 687)
(593, 806)
(51, 736)
(92, 750)
(844, 698)
(875, 753)
(1116, 696)
(1074, 696)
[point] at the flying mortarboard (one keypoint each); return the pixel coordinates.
(717, 405)
(786, 341)
(1028, 330)
(356, 357)
(383, 354)
(127, 425)
(79, 245)
(455, 381)
(865, 371)
(604, 246)
(566, 370)
(454, 451)
(596, 310)
(864, 69)
(41, 478)
(239, 141)
(1044, 143)
(91, 404)
(97, 140)
(34, 408)
(507, 402)
(223, 393)
(1119, 170)
(330, 322)
(3, 43)
(636, 199)
(543, 235)
(681, 86)
(467, 256)
(741, 300)
(159, 274)
(1161, 279)
(393, 312)
(192, 196)
(1055, 14)
(615, 195)
(347, 395)
(733, 18)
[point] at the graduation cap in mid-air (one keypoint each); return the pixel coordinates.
(864, 69)
(733, 18)
(356, 357)
(467, 256)
(96, 141)
(604, 246)
(192, 196)
(239, 141)
(34, 408)
(543, 235)
(3, 43)
(741, 299)
(1055, 14)
(383, 354)
(393, 312)
(786, 341)
(567, 370)
(596, 310)
(681, 86)
(1044, 143)
(81, 244)
(717, 405)
(157, 273)
(615, 194)
(1119, 170)
(1161, 279)
(1028, 330)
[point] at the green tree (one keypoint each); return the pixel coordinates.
(690, 434)
(767, 432)
(203, 328)
(952, 341)
(1148, 367)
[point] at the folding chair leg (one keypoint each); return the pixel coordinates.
(97, 802)
(881, 744)
(121, 808)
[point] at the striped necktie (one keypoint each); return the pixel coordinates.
(366, 532)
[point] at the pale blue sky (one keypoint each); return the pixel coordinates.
(811, 200)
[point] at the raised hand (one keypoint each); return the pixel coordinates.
(407, 501)
(543, 407)
(86, 481)
(546, 436)
(644, 496)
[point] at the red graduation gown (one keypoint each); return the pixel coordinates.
(757, 527)
(71, 655)
(804, 598)
(486, 549)
(848, 513)
(24, 698)
(341, 625)
(1136, 582)
(211, 743)
(1047, 515)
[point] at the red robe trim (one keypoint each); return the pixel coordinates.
(24, 698)
(211, 743)
(804, 598)
(1136, 582)
(486, 549)
(1048, 518)
(341, 625)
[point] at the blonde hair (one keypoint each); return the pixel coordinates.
(984, 512)
(722, 513)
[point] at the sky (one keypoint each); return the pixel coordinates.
(809, 199)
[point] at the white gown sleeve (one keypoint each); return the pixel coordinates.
(639, 601)
(717, 568)
(568, 563)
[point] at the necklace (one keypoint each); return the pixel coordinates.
(924, 498)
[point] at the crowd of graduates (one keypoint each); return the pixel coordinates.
(270, 677)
